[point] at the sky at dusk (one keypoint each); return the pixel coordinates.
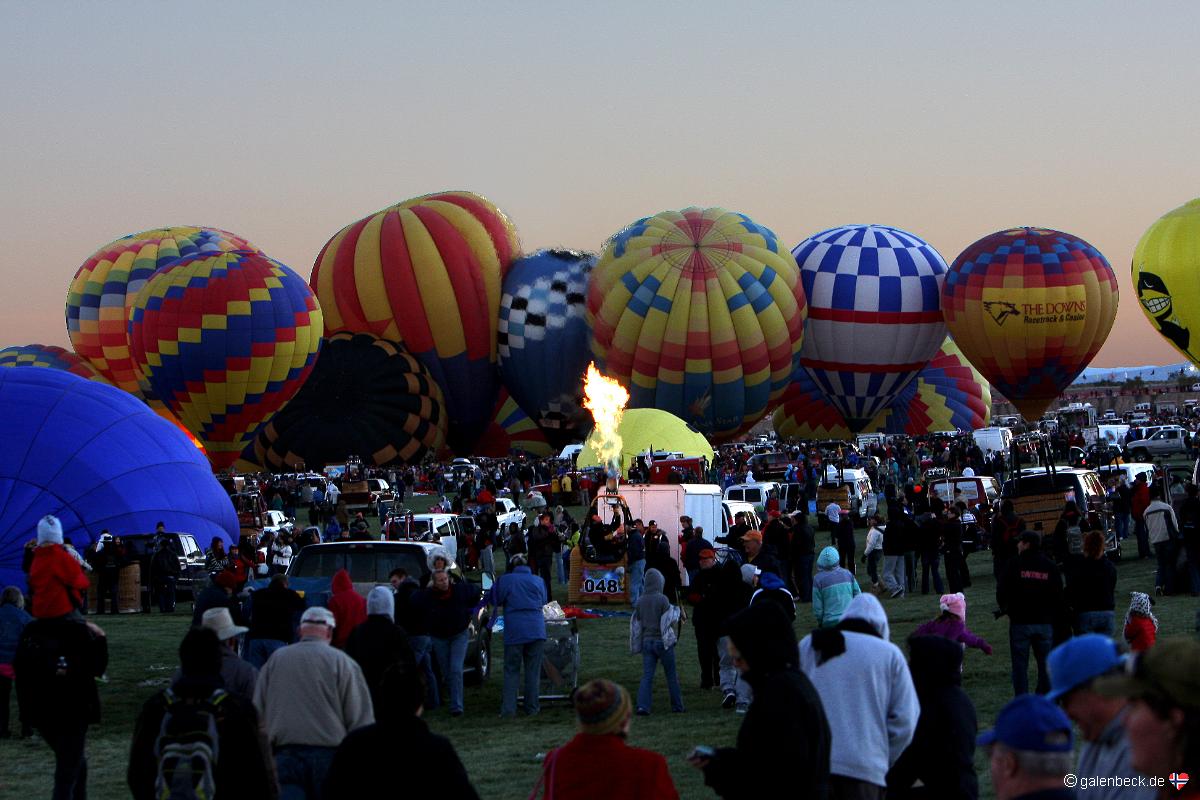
(283, 122)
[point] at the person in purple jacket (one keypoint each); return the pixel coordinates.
(952, 623)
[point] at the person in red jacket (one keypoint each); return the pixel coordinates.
(598, 755)
(56, 579)
(348, 606)
(1141, 626)
(1137, 505)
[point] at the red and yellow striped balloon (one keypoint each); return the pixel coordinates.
(427, 272)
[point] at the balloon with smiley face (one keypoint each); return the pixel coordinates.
(1166, 275)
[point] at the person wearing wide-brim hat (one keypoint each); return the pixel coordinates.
(238, 674)
(1163, 720)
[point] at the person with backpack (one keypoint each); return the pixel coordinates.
(197, 740)
(56, 665)
(653, 632)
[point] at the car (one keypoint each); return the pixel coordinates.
(756, 494)
(863, 500)
(370, 564)
(379, 492)
(1168, 440)
(769, 466)
(508, 512)
(1129, 471)
(731, 508)
(140, 547)
(974, 489)
(276, 522)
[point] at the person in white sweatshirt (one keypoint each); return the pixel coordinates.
(865, 686)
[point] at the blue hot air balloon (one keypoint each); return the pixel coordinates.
(96, 457)
(542, 341)
(874, 314)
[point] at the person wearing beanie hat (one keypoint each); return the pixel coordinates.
(243, 767)
(56, 579)
(599, 754)
(716, 594)
(378, 642)
(759, 554)
(952, 623)
(833, 589)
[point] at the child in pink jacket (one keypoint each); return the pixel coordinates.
(952, 623)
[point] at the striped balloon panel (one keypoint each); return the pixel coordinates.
(699, 313)
(874, 320)
(105, 286)
(512, 431)
(225, 340)
(50, 357)
(427, 273)
(1030, 308)
(1166, 277)
(948, 395)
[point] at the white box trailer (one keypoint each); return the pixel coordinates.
(665, 503)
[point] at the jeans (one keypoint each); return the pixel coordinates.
(636, 576)
(1143, 537)
(1021, 637)
(70, 761)
(302, 770)
(564, 574)
(486, 562)
(893, 574)
(1096, 622)
(541, 568)
(166, 594)
(652, 653)
(804, 577)
(259, 650)
(929, 560)
(516, 656)
(729, 673)
(422, 652)
(873, 565)
(1164, 575)
(1193, 563)
(450, 654)
(1122, 522)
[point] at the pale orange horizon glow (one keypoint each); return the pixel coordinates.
(282, 123)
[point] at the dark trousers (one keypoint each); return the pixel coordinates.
(542, 568)
(929, 561)
(957, 577)
(1164, 576)
(70, 763)
(804, 577)
(1143, 537)
(910, 571)
(1022, 638)
(166, 594)
(706, 651)
(5, 694)
(843, 788)
(106, 587)
(873, 565)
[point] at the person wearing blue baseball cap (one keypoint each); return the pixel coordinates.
(1030, 750)
(1074, 667)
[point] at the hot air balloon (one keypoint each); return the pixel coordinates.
(427, 273)
(225, 340)
(699, 313)
(1165, 277)
(874, 314)
(511, 431)
(104, 287)
(50, 356)
(96, 458)
(948, 395)
(1030, 307)
(805, 413)
(366, 397)
(542, 340)
(643, 429)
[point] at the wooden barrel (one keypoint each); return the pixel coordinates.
(129, 589)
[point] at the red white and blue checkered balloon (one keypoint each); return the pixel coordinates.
(874, 314)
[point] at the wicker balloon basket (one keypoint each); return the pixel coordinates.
(129, 589)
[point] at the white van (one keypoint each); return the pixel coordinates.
(992, 440)
(756, 494)
(863, 500)
(1141, 408)
(730, 509)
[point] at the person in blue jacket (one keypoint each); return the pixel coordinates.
(522, 594)
(13, 619)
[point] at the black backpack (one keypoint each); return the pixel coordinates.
(187, 748)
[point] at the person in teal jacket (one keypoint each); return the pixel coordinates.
(833, 589)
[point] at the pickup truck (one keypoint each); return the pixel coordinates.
(507, 512)
(1170, 440)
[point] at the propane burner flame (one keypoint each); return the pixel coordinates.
(606, 399)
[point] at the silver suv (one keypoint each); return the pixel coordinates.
(1169, 440)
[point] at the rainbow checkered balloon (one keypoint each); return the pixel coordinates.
(48, 356)
(1030, 307)
(104, 287)
(511, 431)
(225, 340)
(698, 313)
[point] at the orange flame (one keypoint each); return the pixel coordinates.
(606, 399)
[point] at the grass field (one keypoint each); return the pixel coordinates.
(503, 756)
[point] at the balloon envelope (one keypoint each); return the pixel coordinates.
(104, 287)
(698, 313)
(511, 431)
(948, 395)
(96, 458)
(805, 413)
(1030, 307)
(366, 397)
(874, 314)
(1166, 279)
(51, 357)
(542, 340)
(225, 339)
(645, 428)
(427, 273)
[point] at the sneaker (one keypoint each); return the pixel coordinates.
(742, 708)
(897, 593)
(456, 712)
(641, 712)
(1158, 591)
(730, 700)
